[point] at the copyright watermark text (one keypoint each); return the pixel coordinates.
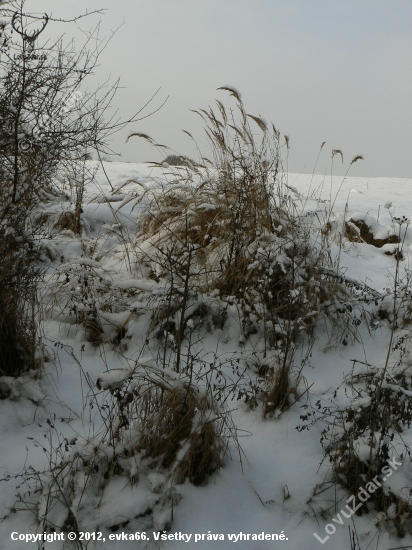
(155, 535)
(362, 496)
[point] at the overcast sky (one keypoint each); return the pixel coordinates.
(320, 70)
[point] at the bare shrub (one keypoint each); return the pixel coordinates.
(48, 128)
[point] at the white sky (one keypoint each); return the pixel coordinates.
(320, 70)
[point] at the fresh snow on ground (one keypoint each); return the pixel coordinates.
(271, 489)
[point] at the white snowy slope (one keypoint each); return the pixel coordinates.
(271, 487)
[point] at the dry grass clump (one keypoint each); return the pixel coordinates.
(184, 435)
(237, 216)
(224, 197)
(17, 338)
(69, 493)
(174, 424)
(170, 424)
(203, 456)
(68, 221)
(279, 390)
(229, 231)
(90, 321)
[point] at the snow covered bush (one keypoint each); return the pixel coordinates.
(174, 420)
(76, 489)
(372, 431)
(154, 429)
(92, 300)
(362, 439)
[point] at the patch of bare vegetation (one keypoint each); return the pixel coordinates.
(358, 231)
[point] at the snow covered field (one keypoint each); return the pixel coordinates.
(278, 484)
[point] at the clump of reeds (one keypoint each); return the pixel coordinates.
(231, 227)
